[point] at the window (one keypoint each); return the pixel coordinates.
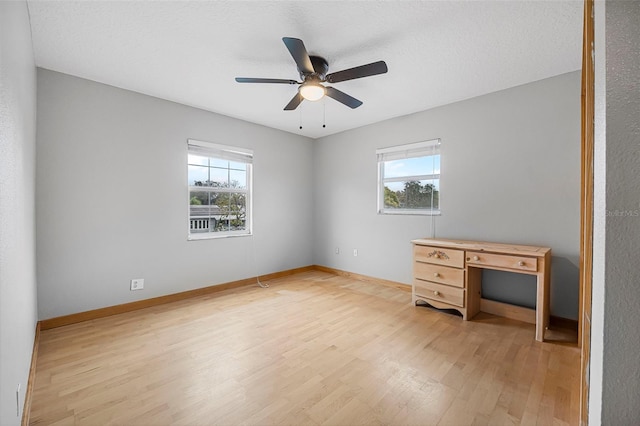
(409, 178)
(219, 179)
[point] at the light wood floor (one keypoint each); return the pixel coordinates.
(314, 348)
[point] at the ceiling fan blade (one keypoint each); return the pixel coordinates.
(374, 68)
(293, 103)
(299, 53)
(342, 97)
(264, 80)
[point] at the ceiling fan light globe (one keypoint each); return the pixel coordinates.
(312, 92)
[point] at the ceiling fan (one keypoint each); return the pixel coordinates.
(313, 72)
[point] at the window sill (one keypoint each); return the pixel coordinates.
(212, 236)
(411, 212)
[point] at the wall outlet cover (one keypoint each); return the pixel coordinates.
(137, 284)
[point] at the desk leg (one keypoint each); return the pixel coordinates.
(474, 292)
(542, 297)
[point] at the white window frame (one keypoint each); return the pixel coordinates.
(412, 150)
(225, 152)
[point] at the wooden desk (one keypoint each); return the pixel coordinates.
(447, 274)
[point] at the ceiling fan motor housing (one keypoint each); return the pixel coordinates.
(320, 68)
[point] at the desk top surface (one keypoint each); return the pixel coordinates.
(484, 246)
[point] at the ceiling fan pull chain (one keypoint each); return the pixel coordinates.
(300, 109)
(324, 113)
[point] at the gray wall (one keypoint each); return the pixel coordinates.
(112, 198)
(614, 376)
(510, 173)
(17, 212)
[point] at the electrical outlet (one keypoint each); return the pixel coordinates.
(355, 252)
(137, 284)
(337, 250)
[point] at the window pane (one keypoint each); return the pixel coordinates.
(221, 208)
(220, 214)
(237, 166)
(238, 179)
(239, 200)
(199, 212)
(215, 198)
(423, 194)
(198, 175)
(219, 178)
(237, 211)
(427, 165)
(199, 198)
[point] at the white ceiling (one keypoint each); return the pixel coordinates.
(189, 52)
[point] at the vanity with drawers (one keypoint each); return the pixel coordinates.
(447, 274)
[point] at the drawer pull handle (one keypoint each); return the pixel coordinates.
(476, 258)
(436, 274)
(437, 293)
(521, 263)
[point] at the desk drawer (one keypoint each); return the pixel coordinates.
(439, 292)
(439, 274)
(439, 256)
(518, 263)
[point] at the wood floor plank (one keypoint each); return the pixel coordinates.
(311, 349)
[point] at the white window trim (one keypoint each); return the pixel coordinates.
(231, 153)
(412, 150)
